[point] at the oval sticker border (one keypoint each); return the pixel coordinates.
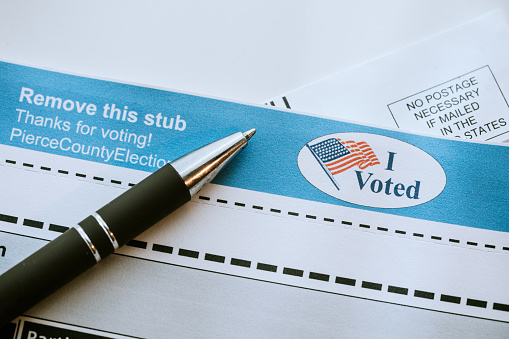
(371, 170)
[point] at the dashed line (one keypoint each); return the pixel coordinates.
(137, 244)
(450, 299)
(266, 267)
(404, 291)
(319, 276)
(273, 268)
(215, 258)
(33, 223)
(162, 248)
(8, 218)
(424, 294)
(188, 253)
(269, 267)
(345, 281)
(293, 271)
(397, 290)
(501, 307)
(240, 262)
(477, 303)
(58, 228)
(279, 211)
(371, 285)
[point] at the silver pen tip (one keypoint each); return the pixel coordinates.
(249, 134)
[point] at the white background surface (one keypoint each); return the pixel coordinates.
(238, 50)
(248, 51)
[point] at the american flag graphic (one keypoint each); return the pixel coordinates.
(337, 155)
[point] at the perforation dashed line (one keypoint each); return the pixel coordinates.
(65, 172)
(266, 267)
(279, 211)
(397, 290)
(58, 228)
(162, 248)
(137, 244)
(240, 262)
(293, 271)
(215, 258)
(326, 278)
(286, 270)
(371, 285)
(188, 253)
(450, 299)
(269, 267)
(33, 223)
(9, 218)
(424, 294)
(416, 235)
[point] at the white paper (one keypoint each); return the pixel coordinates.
(453, 84)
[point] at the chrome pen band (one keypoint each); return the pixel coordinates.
(89, 243)
(106, 229)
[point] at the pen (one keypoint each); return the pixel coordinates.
(113, 225)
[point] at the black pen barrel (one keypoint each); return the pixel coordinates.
(113, 225)
(97, 236)
(145, 204)
(42, 273)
